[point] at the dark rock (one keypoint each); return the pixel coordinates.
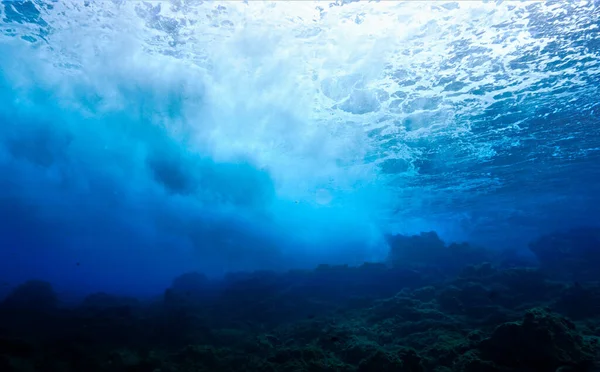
(190, 282)
(424, 294)
(16, 348)
(484, 270)
(579, 302)
(541, 342)
(417, 248)
(427, 249)
(411, 361)
(448, 300)
(101, 299)
(381, 361)
(188, 289)
(32, 295)
(6, 365)
(471, 362)
(572, 255)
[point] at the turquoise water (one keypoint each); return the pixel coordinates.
(140, 140)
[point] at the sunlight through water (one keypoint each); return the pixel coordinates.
(184, 134)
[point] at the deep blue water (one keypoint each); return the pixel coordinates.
(140, 140)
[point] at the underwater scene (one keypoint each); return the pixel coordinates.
(299, 186)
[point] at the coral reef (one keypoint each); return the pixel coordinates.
(464, 317)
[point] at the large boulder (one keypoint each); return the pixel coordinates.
(428, 250)
(541, 342)
(31, 295)
(572, 255)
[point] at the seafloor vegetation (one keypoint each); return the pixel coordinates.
(432, 307)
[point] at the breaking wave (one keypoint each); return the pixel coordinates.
(234, 135)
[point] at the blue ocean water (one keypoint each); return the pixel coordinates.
(143, 139)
